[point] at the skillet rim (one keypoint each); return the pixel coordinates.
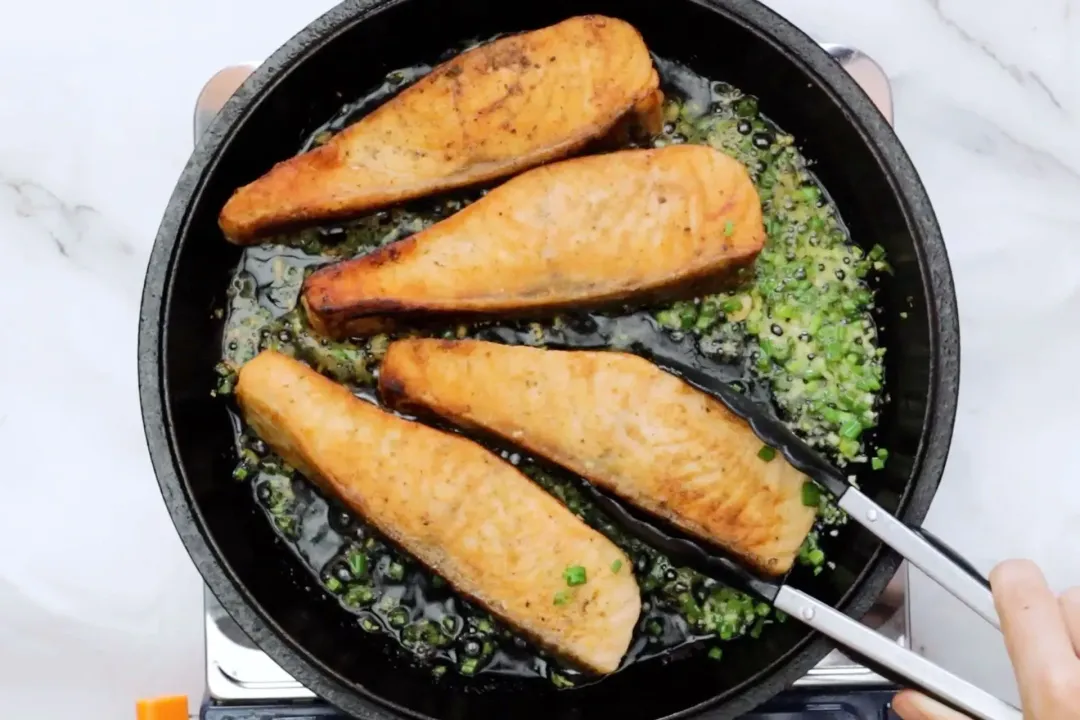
(860, 113)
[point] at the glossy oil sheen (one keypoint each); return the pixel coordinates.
(683, 611)
(266, 588)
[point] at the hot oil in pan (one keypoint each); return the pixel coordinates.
(799, 334)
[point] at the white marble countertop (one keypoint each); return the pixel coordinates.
(99, 604)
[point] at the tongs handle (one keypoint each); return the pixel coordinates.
(892, 660)
(943, 565)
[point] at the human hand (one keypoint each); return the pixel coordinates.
(1042, 635)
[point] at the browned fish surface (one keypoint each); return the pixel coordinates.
(622, 423)
(489, 530)
(490, 112)
(584, 232)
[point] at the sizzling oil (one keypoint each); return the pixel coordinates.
(798, 335)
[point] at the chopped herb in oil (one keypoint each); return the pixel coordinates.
(574, 575)
(799, 325)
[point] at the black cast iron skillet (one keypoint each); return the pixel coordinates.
(339, 57)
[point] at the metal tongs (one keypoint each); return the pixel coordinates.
(923, 551)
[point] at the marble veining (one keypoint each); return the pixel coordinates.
(99, 604)
(1026, 78)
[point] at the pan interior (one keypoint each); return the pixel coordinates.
(313, 91)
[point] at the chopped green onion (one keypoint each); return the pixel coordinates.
(434, 636)
(287, 525)
(766, 453)
(851, 430)
(560, 681)
(562, 597)
(333, 584)
(574, 575)
(877, 463)
(398, 617)
(669, 319)
(706, 319)
(848, 447)
(832, 414)
(811, 494)
(868, 384)
(809, 552)
(241, 472)
(357, 563)
(413, 632)
(396, 571)
(689, 608)
(687, 315)
(746, 107)
(358, 595)
(732, 305)
(729, 228)
(616, 566)
(715, 653)
(469, 666)
(785, 312)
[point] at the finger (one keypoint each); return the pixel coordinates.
(1032, 622)
(911, 705)
(1070, 608)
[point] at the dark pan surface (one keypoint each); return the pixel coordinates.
(338, 58)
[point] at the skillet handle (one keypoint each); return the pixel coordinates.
(944, 565)
(867, 74)
(216, 92)
(889, 659)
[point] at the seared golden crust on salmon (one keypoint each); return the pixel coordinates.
(469, 516)
(622, 423)
(586, 232)
(490, 112)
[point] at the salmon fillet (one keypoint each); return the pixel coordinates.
(487, 529)
(490, 112)
(587, 232)
(625, 425)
